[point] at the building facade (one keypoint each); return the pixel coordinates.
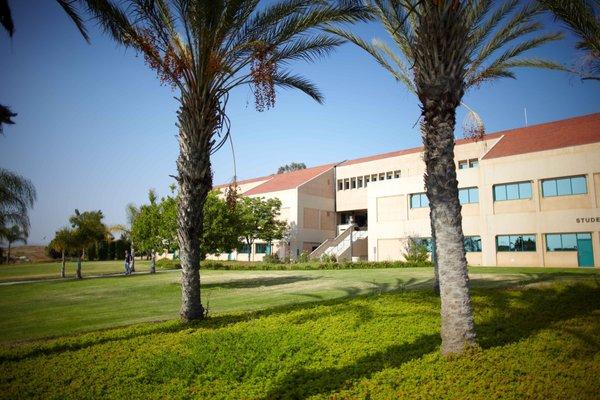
(530, 197)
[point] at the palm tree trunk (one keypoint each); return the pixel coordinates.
(458, 331)
(153, 263)
(195, 181)
(436, 271)
(62, 266)
(78, 273)
(132, 251)
(8, 253)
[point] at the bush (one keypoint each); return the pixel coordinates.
(271, 259)
(165, 263)
(416, 251)
(311, 265)
(304, 257)
(328, 258)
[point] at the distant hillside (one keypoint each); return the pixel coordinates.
(33, 253)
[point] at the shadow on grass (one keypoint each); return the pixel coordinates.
(259, 282)
(515, 316)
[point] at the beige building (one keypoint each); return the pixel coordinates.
(530, 197)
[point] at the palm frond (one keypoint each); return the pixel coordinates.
(6, 116)
(67, 6)
(6, 18)
(287, 80)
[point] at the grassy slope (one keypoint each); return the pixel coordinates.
(42, 309)
(51, 270)
(539, 343)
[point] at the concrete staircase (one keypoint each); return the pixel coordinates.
(343, 245)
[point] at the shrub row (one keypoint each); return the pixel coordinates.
(311, 265)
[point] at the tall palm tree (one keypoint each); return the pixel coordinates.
(63, 242)
(17, 195)
(441, 49)
(205, 49)
(12, 235)
(582, 18)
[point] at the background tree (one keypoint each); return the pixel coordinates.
(221, 228)
(205, 49)
(131, 212)
(258, 220)
(294, 166)
(441, 49)
(63, 242)
(17, 196)
(12, 235)
(146, 229)
(88, 229)
(581, 17)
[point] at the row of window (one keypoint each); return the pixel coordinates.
(465, 195)
(259, 248)
(362, 181)
(554, 242)
(514, 191)
(465, 164)
(472, 244)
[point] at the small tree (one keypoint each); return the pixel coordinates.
(88, 229)
(146, 229)
(416, 251)
(63, 242)
(12, 235)
(294, 166)
(221, 231)
(258, 220)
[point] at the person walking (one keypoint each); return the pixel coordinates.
(128, 259)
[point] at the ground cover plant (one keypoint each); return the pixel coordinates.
(539, 341)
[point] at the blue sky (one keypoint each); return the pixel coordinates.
(96, 130)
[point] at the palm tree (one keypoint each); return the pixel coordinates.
(63, 242)
(12, 235)
(581, 17)
(132, 211)
(88, 229)
(17, 195)
(205, 49)
(441, 49)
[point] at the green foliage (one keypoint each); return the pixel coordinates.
(291, 167)
(535, 343)
(308, 265)
(258, 219)
(221, 231)
(87, 229)
(271, 259)
(167, 264)
(328, 258)
(416, 251)
(147, 230)
(304, 257)
(17, 196)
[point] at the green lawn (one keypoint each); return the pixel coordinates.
(37, 271)
(541, 341)
(55, 308)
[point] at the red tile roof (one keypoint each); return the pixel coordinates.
(289, 180)
(409, 151)
(262, 178)
(552, 135)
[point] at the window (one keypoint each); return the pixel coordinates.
(468, 195)
(340, 184)
(564, 186)
(515, 243)
(390, 175)
(464, 164)
(346, 184)
(397, 174)
(419, 200)
(353, 183)
(425, 242)
(359, 182)
(564, 241)
(243, 248)
(381, 176)
(374, 177)
(367, 179)
(473, 163)
(473, 244)
(263, 248)
(512, 191)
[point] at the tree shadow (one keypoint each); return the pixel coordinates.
(259, 282)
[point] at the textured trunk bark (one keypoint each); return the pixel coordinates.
(132, 258)
(436, 271)
(8, 254)
(78, 273)
(441, 55)
(458, 331)
(153, 263)
(196, 131)
(62, 266)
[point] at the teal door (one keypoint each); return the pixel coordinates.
(585, 254)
